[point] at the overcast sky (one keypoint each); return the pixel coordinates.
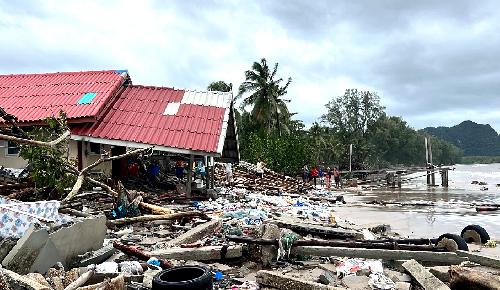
(432, 62)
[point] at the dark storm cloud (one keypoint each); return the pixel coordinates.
(432, 62)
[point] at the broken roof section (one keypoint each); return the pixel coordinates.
(81, 95)
(173, 120)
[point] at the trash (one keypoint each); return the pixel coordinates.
(154, 262)
(380, 281)
(218, 276)
(285, 243)
(491, 244)
(352, 266)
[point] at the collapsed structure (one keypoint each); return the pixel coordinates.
(106, 112)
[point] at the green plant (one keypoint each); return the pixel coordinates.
(48, 164)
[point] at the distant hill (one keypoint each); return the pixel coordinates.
(474, 139)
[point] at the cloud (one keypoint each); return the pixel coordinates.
(433, 63)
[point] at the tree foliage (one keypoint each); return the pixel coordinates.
(266, 92)
(269, 133)
(47, 169)
(220, 86)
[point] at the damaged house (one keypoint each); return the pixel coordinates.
(107, 113)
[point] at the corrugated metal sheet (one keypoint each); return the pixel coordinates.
(138, 116)
(34, 97)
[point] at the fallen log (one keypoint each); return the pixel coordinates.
(465, 278)
(138, 253)
(148, 218)
(423, 276)
(347, 244)
(208, 253)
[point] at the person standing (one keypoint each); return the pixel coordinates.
(329, 173)
(336, 176)
(229, 174)
(314, 175)
(305, 174)
(260, 169)
(321, 177)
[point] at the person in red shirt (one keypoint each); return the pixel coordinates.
(314, 174)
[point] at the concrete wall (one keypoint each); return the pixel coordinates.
(90, 158)
(11, 161)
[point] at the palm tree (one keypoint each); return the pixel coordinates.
(266, 95)
(220, 86)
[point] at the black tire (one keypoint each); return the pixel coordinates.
(477, 231)
(459, 242)
(184, 278)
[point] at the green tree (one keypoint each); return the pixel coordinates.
(351, 118)
(47, 164)
(266, 92)
(220, 86)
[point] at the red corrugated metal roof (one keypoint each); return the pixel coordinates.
(34, 97)
(137, 116)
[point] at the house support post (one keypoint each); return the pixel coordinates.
(189, 175)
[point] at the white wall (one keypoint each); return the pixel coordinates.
(11, 161)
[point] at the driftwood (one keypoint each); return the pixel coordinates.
(148, 218)
(465, 278)
(82, 279)
(138, 253)
(82, 173)
(35, 142)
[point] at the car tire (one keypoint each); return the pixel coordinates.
(475, 234)
(452, 243)
(183, 278)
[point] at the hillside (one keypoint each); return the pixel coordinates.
(474, 139)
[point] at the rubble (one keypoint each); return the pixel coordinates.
(260, 234)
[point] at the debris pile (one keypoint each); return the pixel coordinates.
(244, 239)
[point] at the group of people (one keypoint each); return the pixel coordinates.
(323, 175)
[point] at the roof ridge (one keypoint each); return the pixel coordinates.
(155, 87)
(58, 73)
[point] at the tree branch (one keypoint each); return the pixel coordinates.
(82, 174)
(35, 142)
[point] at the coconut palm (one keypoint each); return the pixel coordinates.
(266, 94)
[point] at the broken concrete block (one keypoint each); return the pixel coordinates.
(83, 236)
(269, 254)
(273, 279)
(396, 276)
(441, 272)
(423, 276)
(5, 246)
(481, 259)
(99, 256)
(37, 277)
(26, 250)
(315, 274)
(403, 286)
(197, 233)
(356, 282)
(328, 278)
(47, 257)
(18, 282)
